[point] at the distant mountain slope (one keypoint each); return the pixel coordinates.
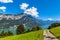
(9, 20)
(13, 20)
(31, 21)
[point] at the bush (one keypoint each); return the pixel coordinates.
(4, 34)
(38, 28)
(28, 30)
(35, 28)
(9, 33)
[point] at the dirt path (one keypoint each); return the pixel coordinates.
(49, 36)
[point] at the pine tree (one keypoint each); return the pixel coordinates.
(20, 29)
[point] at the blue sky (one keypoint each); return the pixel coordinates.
(46, 8)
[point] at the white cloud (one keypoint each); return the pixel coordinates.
(23, 6)
(31, 11)
(3, 8)
(6, 1)
(50, 19)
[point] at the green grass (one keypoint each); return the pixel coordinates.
(36, 35)
(56, 32)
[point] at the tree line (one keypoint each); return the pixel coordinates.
(20, 30)
(53, 25)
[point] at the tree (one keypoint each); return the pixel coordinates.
(20, 29)
(53, 25)
(37, 28)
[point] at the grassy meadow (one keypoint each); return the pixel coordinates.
(36, 35)
(56, 32)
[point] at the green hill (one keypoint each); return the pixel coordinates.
(36, 35)
(56, 32)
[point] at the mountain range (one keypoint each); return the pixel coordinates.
(14, 20)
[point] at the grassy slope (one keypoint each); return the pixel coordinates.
(36, 35)
(56, 32)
